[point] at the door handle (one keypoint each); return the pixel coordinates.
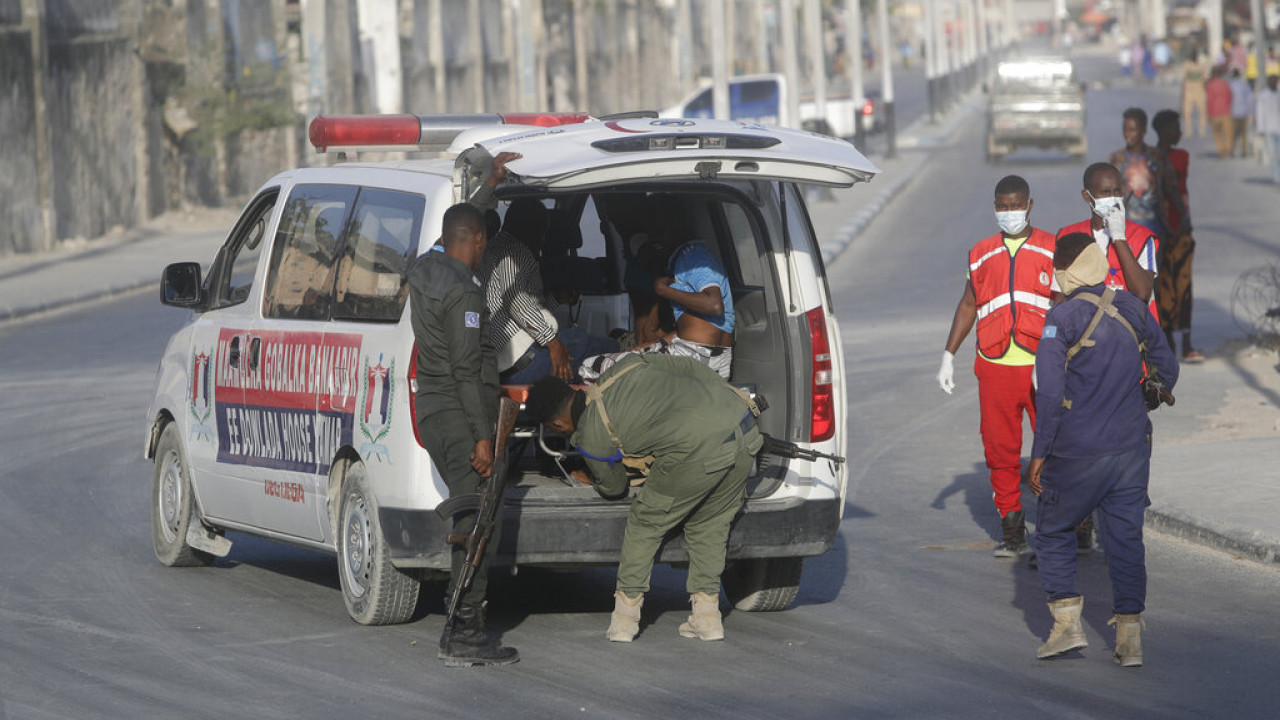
(255, 353)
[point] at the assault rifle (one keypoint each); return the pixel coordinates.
(486, 504)
(782, 448)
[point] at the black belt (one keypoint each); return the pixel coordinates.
(523, 362)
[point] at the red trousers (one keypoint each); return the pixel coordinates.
(1004, 392)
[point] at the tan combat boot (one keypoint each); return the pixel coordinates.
(624, 624)
(704, 622)
(1128, 639)
(1067, 633)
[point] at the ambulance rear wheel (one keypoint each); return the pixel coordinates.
(172, 504)
(375, 592)
(763, 584)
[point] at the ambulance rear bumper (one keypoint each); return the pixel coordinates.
(592, 534)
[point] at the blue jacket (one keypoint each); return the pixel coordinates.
(1107, 413)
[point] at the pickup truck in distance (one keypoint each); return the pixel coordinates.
(763, 99)
(1036, 102)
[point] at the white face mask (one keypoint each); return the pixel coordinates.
(1102, 206)
(1012, 222)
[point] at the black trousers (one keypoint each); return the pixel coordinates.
(447, 437)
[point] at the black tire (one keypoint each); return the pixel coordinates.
(375, 592)
(763, 584)
(173, 505)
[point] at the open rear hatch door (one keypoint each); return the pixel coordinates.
(594, 154)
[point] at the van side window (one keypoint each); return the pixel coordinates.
(300, 278)
(231, 275)
(381, 241)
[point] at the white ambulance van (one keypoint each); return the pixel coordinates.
(282, 408)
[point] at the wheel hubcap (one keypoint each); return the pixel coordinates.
(170, 499)
(356, 536)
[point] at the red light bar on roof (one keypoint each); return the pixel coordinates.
(417, 132)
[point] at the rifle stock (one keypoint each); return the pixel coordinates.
(487, 504)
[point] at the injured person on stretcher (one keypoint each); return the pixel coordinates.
(689, 277)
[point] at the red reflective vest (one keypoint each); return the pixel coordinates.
(1136, 236)
(1012, 291)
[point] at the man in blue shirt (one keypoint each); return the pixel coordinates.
(697, 287)
(698, 290)
(1092, 447)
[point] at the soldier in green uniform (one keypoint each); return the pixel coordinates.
(457, 403)
(700, 435)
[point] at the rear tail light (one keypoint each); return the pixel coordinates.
(822, 425)
(412, 377)
(869, 107)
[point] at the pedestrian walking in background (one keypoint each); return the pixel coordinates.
(1161, 56)
(1268, 124)
(1008, 291)
(1218, 106)
(700, 435)
(1132, 263)
(1150, 184)
(1195, 72)
(1241, 112)
(1239, 56)
(1092, 448)
(1173, 283)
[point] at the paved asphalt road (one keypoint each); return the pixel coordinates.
(908, 616)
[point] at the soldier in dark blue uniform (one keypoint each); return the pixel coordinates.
(1092, 446)
(457, 404)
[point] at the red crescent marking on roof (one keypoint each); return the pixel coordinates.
(613, 125)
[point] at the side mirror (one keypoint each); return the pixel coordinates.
(180, 285)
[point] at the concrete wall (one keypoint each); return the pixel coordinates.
(21, 224)
(93, 134)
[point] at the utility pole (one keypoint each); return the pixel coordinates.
(853, 42)
(1214, 23)
(583, 100)
(33, 17)
(886, 79)
(931, 56)
(719, 70)
(790, 69)
(817, 56)
(984, 47)
(761, 38)
(1259, 43)
(435, 54)
(476, 43)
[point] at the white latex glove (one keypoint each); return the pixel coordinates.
(947, 373)
(1115, 223)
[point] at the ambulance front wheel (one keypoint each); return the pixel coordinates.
(763, 584)
(172, 504)
(376, 593)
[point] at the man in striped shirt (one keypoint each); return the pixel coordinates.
(523, 330)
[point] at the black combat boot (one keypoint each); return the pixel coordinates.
(1015, 536)
(466, 642)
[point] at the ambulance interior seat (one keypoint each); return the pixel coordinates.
(563, 270)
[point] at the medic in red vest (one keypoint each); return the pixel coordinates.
(1133, 262)
(1010, 287)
